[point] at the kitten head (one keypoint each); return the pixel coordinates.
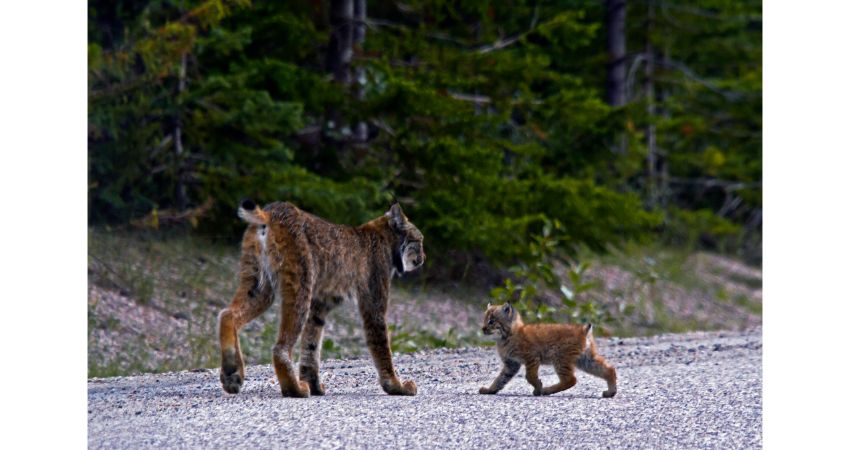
(500, 319)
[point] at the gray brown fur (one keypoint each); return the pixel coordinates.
(564, 346)
(313, 266)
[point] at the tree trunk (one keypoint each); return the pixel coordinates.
(338, 61)
(649, 92)
(615, 68)
(182, 198)
(361, 131)
(662, 156)
(615, 76)
(339, 50)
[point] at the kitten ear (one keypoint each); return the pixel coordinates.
(507, 309)
(488, 305)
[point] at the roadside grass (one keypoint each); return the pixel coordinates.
(650, 268)
(154, 298)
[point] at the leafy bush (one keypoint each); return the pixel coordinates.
(538, 273)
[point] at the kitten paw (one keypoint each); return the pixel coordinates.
(393, 387)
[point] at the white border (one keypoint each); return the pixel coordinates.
(43, 175)
(806, 225)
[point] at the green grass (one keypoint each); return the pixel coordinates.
(749, 304)
(187, 280)
(407, 340)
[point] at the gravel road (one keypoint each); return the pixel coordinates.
(695, 390)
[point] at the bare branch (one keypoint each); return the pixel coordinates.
(502, 43)
(477, 99)
(726, 185)
(485, 100)
(380, 23)
(641, 58)
(383, 126)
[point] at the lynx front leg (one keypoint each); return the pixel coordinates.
(509, 369)
(249, 302)
(311, 343)
(294, 308)
(531, 375)
(373, 311)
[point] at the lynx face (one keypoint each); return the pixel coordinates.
(410, 254)
(412, 251)
(498, 319)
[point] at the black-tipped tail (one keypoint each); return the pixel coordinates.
(247, 204)
(251, 213)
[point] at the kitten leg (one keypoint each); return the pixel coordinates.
(595, 365)
(567, 379)
(531, 375)
(509, 369)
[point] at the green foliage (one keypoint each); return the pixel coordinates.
(687, 228)
(408, 340)
(538, 273)
(485, 118)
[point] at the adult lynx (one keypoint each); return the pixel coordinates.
(312, 265)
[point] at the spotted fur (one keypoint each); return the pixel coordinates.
(313, 265)
(564, 346)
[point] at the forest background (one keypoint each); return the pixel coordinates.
(524, 138)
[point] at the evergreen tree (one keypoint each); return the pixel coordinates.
(488, 120)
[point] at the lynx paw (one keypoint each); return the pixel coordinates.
(232, 382)
(486, 391)
(537, 392)
(608, 394)
(393, 387)
(302, 391)
(317, 388)
(408, 387)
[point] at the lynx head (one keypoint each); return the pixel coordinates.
(500, 319)
(409, 254)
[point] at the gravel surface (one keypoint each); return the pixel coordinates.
(695, 390)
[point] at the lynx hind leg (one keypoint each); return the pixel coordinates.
(294, 308)
(250, 301)
(566, 379)
(311, 343)
(595, 365)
